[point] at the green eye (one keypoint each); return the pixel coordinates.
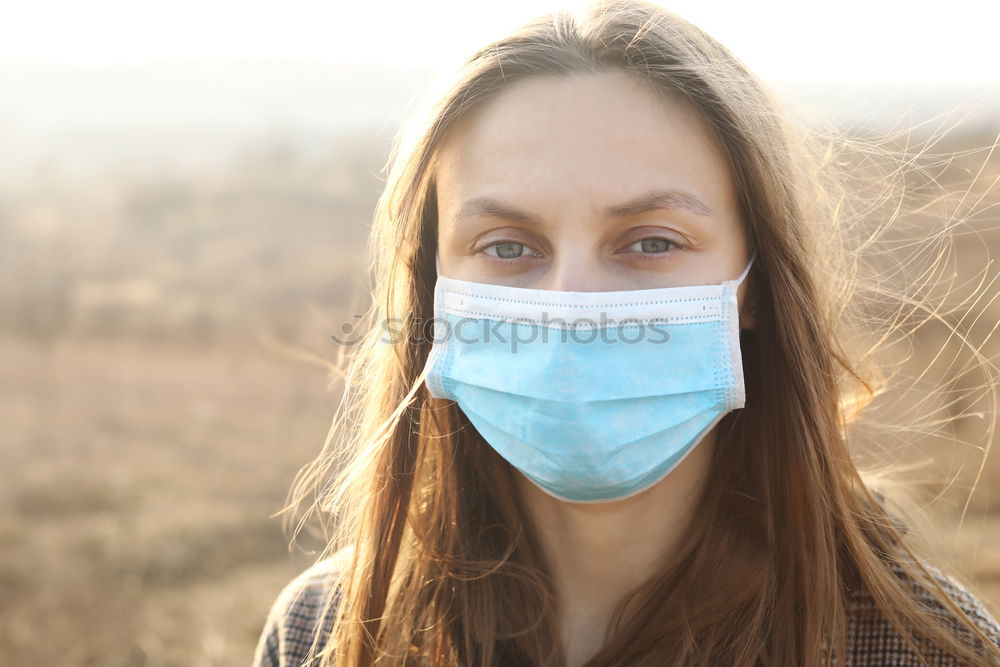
(507, 249)
(653, 245)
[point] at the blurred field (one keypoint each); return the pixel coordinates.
(150, 430)
(148, 435)
(137, 481)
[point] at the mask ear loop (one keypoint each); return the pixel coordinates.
(433, 383)
(746, 270)
(736, 396)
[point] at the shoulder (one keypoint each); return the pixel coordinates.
(293, 621)
(872, 640)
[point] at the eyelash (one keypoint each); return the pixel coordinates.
(673, 245)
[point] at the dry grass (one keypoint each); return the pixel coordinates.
(137, 482)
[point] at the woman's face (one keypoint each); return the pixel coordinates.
(587, 183)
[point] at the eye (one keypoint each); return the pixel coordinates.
(507, 250)
(652, 245)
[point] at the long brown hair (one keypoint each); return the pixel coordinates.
(441, 565)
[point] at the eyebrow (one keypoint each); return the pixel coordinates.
(651, 201)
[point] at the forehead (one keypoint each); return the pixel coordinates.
(587, 135)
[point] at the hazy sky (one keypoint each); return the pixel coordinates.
(870, 40)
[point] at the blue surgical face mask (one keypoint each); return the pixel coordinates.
(593, 396)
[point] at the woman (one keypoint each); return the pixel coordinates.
(671, 485)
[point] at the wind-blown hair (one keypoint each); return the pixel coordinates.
(443, 565)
